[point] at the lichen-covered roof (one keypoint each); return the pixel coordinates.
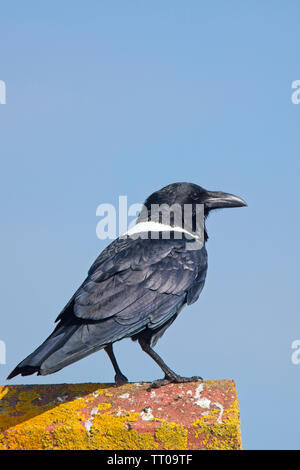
(102, 416)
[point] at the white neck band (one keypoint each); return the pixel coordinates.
(156, 227)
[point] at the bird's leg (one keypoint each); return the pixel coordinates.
(120, 379)
(170, 376)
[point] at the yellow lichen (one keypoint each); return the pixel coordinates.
(29, 425)
(25, 399)
(111, 432)
(71, 417)
(26, 425)
(73, 437)
(172, 436)
(103, 406)
(214, 435)
(3, 391)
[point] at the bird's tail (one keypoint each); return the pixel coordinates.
(70, 341)
(33, 363)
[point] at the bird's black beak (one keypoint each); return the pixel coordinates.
(219, 200)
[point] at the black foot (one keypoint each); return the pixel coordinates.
(120, 379)
(174, 379)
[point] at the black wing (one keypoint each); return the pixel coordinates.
(133, 285)
(131, 274)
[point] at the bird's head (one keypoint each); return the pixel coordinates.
(182, 197)
(189, 193)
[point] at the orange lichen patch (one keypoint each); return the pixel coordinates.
(97, 416)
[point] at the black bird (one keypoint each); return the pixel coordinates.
(136, 287)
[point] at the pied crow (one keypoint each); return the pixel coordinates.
(137, 286)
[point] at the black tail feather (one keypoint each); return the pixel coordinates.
(26, 370)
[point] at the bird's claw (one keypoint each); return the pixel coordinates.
(175, 379)
(120, 379)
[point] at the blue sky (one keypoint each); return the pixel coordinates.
(109, 98)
